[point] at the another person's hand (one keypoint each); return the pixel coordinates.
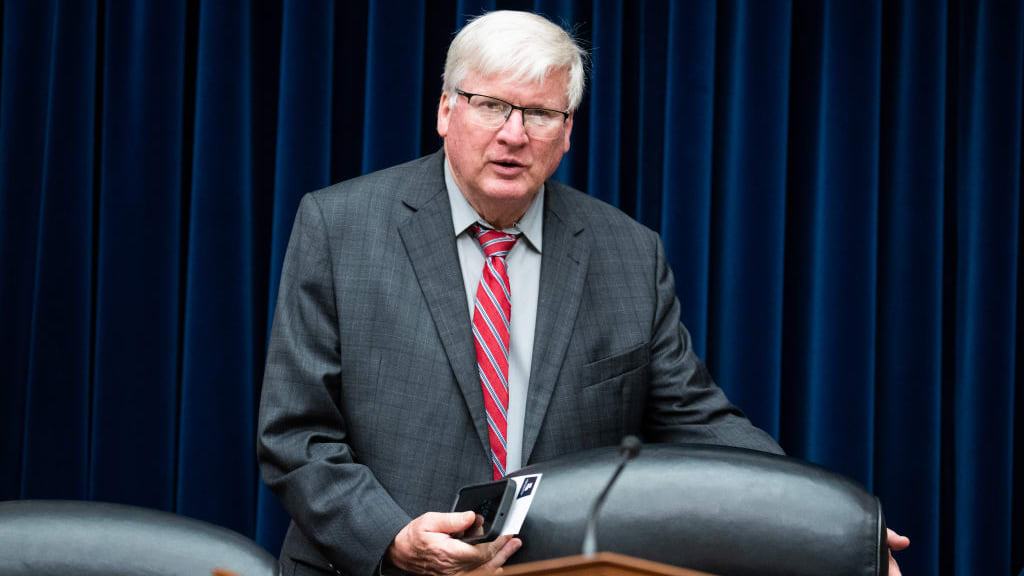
(424, 546)
(897, 543)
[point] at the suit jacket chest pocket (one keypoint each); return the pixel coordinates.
(612, 396)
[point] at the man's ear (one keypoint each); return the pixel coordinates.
(444, 113)
(568, 132)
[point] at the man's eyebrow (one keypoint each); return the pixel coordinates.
(539, 106)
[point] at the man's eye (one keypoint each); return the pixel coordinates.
(491, 105)
(542, 116)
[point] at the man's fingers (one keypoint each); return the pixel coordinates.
(895, 541)
(447, 522)
(491, 549)
(493, 567)
(424, 546)
(509, 546)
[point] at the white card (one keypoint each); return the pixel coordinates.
(526, 487)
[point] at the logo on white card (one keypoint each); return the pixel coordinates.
(528, 483)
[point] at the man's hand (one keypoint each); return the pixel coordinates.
(897, 543)
(425, 546)
(493, 566)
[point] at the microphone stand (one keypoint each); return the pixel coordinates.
(629, 448)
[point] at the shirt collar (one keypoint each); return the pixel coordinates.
(531, 225)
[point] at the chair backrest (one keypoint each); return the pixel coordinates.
(97, 538)
(725, 511)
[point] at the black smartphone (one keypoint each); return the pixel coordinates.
(491, 502)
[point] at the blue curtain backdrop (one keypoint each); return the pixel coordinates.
(838, 184)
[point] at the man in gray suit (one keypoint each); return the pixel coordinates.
(410, 357)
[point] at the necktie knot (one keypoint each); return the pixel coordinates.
(496, 244)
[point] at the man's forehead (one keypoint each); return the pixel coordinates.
(552, 86)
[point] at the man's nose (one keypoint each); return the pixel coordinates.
(513, 131)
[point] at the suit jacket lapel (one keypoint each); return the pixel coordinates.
(563, 270)
(430, 243)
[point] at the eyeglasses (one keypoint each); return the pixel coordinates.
(491, 113)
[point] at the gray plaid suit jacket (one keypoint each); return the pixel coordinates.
(372, 411)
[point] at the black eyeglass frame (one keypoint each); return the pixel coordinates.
(513, 107)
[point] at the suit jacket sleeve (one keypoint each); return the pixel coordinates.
(304, 455)
(684, 404)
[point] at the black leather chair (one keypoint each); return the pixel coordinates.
(726, 511)
(95, 538)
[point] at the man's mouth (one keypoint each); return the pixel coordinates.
(508, 163)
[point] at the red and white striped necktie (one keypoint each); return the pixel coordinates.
(491, 316)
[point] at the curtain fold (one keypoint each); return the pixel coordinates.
(217, 472)
(749, 219)
(837, 185)
(391, 129)
(686, 164)
(27, 43)
(909, 347)
(60, 334)
(303, 154)
(604, 91)
(831, 241)
(988, 138)
(652, 30)
(139, 257)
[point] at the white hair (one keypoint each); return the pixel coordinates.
(522, 45)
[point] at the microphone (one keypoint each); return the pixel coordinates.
(629, 448)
